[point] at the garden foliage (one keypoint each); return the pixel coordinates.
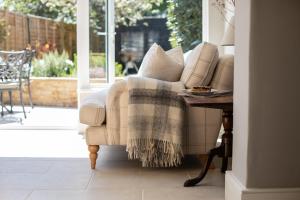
(127, 12)
(185, 22)
(3, 30)
(53, 64)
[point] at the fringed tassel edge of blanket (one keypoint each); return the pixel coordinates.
(155, 153)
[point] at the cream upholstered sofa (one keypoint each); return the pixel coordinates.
(105, 113)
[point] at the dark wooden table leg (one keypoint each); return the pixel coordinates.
(224, 150)
(226, 138)
(195, 181)
(224, 164)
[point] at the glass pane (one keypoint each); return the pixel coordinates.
(97, 57)
(146, 25)
(133, 42)
(97, 41)
(153, 36)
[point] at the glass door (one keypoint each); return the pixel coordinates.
(101, 46)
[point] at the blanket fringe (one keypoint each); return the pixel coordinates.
(154, 153)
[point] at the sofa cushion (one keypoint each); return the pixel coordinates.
(92, 109)
(223, 76)
(200, 65)
(158, 64)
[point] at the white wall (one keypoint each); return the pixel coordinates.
(266, 98)
(241, 89)
(274, 136)
(231, 9)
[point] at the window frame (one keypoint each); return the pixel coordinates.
(83, 47)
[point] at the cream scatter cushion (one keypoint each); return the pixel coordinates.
(158, 64)
(200, 65)
(223, 76)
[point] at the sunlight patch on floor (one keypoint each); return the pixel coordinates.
(42, 143)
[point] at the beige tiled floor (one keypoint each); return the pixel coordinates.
(115, 178)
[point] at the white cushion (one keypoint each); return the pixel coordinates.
(200, 65)
(158, 64)
(92, 109)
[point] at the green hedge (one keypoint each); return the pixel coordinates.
(185, 22)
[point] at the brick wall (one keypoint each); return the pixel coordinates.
(60, 92)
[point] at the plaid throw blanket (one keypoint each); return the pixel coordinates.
(155, 122)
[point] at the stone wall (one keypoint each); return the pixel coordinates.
(60, 92)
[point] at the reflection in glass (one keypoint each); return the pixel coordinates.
(97, 39)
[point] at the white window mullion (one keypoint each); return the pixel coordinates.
(83, 46)
(212, 24)
(205, 20)
(110, 40)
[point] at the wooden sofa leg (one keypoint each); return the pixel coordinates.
(93, 149)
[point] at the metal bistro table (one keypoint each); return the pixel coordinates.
(225, 149)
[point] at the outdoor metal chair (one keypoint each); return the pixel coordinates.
(11, 73)
(27, 72)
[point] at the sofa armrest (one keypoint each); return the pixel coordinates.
(114, 111)
(92, 109)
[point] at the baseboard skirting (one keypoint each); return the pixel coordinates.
(234, 190)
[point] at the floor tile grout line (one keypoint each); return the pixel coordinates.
(49, 167)
(90, 180)
(27, 197)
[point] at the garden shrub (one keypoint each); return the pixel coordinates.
(53, 64)
(3, 30)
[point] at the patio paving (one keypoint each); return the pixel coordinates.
(40, 118)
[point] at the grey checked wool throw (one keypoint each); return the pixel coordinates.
(155, 122)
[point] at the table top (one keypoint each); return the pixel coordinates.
(222, 102)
